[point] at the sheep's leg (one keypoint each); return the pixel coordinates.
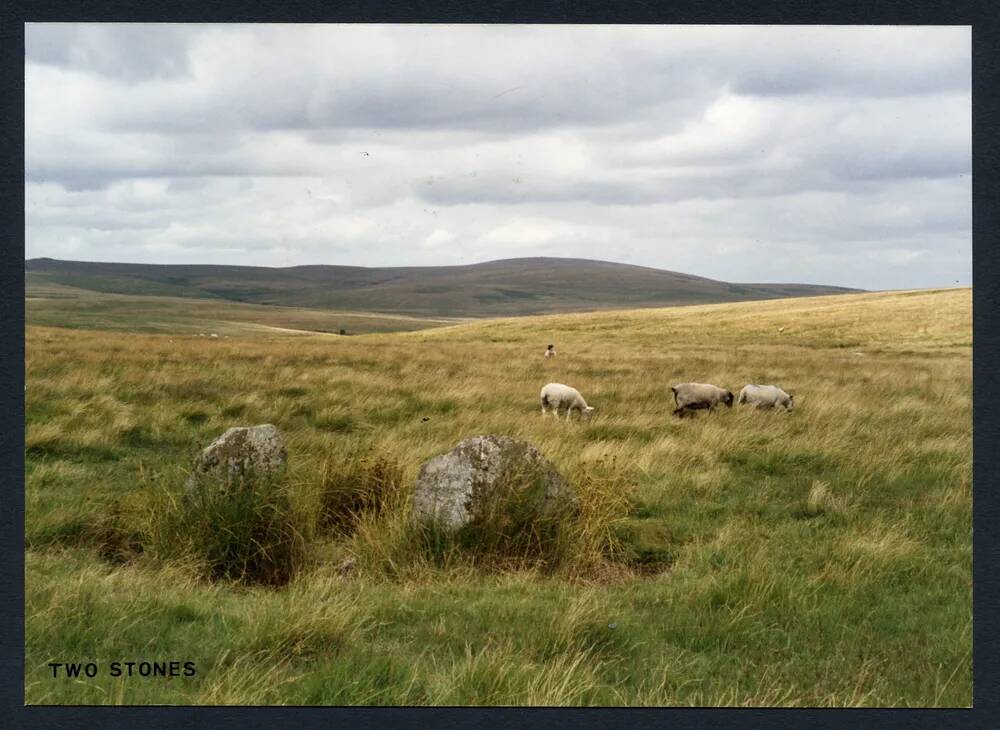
(569, 412)
(679, 412)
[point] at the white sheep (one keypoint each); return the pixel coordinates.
(694, 396)
(766, 396)
(557, 395)
(551, 351)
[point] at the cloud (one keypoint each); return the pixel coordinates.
(130, 52)
(438, 237)
(826, 154)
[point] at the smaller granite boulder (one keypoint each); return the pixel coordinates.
(484, 474)
(241, 453)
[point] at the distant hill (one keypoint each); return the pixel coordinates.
(493, 288)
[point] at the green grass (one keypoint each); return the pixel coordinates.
(816, 558)
(55, 305)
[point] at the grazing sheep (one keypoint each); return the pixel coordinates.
(766, 396)
(551, 352)
(694, 396)
(557, 395)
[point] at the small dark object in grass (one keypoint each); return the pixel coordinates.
(348, 566)
(425, 419)
(117, 543)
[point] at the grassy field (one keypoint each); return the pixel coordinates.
(817, 558)
(49, 304)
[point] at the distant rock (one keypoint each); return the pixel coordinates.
(455, 488)
(243, 452)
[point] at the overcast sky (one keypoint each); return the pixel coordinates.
(833, 155)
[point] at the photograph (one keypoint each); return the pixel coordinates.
(498, 365)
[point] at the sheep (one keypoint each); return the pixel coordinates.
(557, 395)
(694, 396)
(766, 396)
(551, 352)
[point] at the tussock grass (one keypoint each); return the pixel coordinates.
(820, 500)
(816, 558)
(575, 538)
(353, 485)
(244, 531)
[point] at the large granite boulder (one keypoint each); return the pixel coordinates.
(484, 474)
(241, 453)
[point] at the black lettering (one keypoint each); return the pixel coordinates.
(116, 669)
(90, 669)
(175, 669)
(145, 669)
(55, 668)
(188, 669)
(73, 670)
(131, 666)
(159, 669)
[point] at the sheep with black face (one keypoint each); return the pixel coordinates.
(697, 396)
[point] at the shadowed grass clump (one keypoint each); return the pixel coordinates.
(120, 534)
(646, 547)
(354, 486)
(244, 531)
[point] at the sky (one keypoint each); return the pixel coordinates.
(823, 155)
